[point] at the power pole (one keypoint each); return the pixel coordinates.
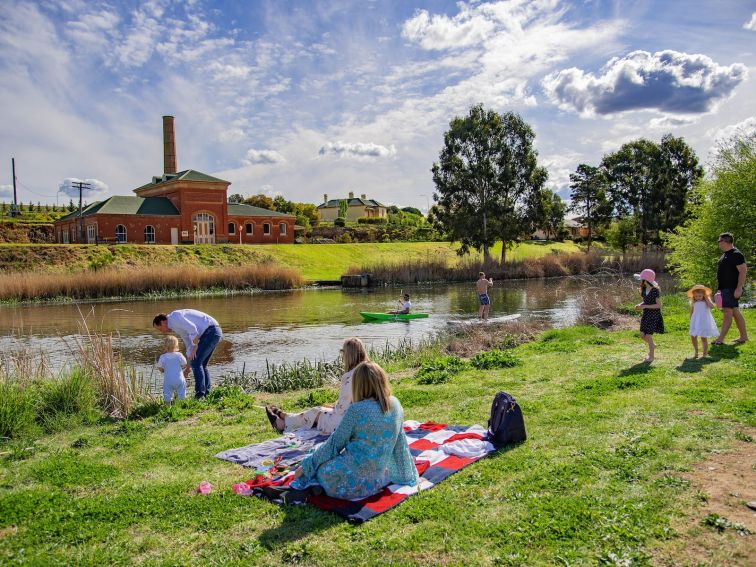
(14, 209)
(80, 185)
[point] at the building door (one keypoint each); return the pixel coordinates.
(174, 235)
(204, 228)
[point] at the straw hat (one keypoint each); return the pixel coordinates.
(706, 290)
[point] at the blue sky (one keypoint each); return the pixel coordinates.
(303, 98)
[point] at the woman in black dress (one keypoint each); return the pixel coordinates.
(651, 320)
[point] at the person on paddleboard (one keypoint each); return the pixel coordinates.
(482, 286)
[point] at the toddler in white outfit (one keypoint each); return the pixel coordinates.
(702, 322)
(173, 365)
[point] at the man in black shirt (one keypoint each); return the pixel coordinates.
(731, 276)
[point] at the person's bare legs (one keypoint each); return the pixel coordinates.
(705, 343)
(726, 322)
(694, 340)
(740, 323)
(481, 311)
(486, 310)
(649, 340)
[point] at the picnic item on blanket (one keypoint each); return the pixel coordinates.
(289, 449)
(433, 460)
(506, 424)
(204, 487)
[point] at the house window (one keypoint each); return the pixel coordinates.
(120, 233)
(149, 234)
(249, 228)
(231, 228)
(282, 229)
(65, 236)
(266, 228)
(91, 233)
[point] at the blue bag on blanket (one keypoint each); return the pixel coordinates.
(506, 424)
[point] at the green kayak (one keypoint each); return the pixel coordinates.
(391, 316)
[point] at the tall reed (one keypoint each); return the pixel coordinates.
(119, 283)
(551, 265)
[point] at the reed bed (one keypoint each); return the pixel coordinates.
(599, 301)
(552, 265)
(29, 286)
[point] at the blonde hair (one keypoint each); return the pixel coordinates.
(370, 382)
(353, 352)
(171, 343)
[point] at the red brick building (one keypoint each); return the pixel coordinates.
(185, 207)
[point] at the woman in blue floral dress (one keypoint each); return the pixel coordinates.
(368, 450)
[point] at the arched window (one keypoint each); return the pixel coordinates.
(249, 228)
(282, 229)
(120, 233)
(266, 228)
(149, 234)
(231, 228)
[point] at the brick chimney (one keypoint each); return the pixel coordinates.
(325, 197)
(351, 194)
(169, 145)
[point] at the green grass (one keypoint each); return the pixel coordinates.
(314, 261)
(601, 479)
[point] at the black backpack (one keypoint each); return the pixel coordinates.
(506, 424)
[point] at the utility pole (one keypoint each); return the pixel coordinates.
(14, 209)
(80, 185)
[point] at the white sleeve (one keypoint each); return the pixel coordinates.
(160, 362)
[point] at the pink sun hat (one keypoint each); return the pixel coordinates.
(648, 274)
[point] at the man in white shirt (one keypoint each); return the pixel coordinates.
(201, 334)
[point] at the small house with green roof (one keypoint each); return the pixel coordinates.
(357, 208)
(184, 207)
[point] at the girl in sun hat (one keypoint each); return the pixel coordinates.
(702, 323)
(651, 320)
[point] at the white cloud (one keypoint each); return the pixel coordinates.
(668, 81)
(358, 150)
(262, 157)
(661, 122)
(95, 190)
(744, 128)
(751, 24)
(469, 27)
(6, 191)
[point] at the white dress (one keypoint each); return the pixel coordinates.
(702, 322)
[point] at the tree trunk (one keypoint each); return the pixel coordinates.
(590, 235)
(486, 251)
(503, 251)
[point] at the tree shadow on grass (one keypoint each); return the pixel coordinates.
(635, 369)
(300, 521)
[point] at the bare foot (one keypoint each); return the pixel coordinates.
(649, 359)
(696, 355)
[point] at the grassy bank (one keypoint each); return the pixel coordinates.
(607, 476)
(313, 261)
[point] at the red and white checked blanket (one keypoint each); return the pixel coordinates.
(438, 450)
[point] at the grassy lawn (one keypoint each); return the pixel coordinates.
(314, 261)
(330, 261)
(602, 479)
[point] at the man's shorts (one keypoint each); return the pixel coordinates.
(484, 299)
(728, 298)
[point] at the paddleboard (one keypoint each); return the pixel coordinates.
(502, 319)
(391, 316)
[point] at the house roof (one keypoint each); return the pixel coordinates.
(240, 210)
(127, 205)
(353, 202)
(186, 175)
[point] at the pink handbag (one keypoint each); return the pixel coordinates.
(718, 299)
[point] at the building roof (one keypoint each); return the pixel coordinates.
(186, 175)
(240, 210)
(127, 205)
(353, 202)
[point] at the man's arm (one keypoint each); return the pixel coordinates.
(188, 331)
(742, 270)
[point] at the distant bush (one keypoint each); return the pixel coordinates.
(340, 221)
(372, 220)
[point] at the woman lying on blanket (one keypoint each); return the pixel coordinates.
(368, 450)
(326, 419)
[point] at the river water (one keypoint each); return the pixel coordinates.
(280, 326)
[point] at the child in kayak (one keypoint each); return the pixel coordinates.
(406, 306)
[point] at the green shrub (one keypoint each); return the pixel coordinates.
(340, 221)
(372, 220)
(439, 369)
(70, 395)
(494, 359)
(17, 409)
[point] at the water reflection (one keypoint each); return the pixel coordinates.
(281, 326)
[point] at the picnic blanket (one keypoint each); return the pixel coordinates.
(439, 451)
